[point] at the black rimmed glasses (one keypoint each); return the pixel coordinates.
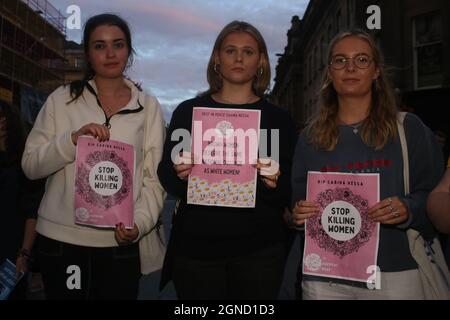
(361, 61)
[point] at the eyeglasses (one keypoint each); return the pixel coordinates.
(361, 61)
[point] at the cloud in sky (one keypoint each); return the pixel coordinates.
(174, 39)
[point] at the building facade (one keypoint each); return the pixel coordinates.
(32, 37)
(74, 64)
(415, 39)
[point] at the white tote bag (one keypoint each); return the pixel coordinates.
(428, 254)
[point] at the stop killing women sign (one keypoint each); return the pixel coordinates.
(104, 183)
(341, 241)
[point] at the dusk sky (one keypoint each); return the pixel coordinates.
(174, 39)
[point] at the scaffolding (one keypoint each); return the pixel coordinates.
(48, 12)
(31, 45)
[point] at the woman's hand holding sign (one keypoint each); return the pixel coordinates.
(183, 165)
(269, 170)
(95, 130)
(389, 211)
(126, 236)
(302, 211)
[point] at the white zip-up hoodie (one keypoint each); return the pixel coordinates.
(49, 152)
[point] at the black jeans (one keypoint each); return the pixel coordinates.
(254, 276)
(77, 272)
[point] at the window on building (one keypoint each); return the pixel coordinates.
(79, 63)
(428, 51)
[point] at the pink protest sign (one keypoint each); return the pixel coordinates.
(104, 183)
(225, 147)
(341, 241)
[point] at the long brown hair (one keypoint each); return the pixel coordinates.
(262, 79)
(378, 128)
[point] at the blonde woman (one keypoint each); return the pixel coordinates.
(224, 252)
(355, 131)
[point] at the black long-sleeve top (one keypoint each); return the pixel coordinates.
(211, 232)
(20, 200)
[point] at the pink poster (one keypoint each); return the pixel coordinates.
(225, 148)
(104, 183)
(341, 241)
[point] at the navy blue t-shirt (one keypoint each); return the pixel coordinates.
(352, 155)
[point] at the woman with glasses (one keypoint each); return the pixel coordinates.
(355, 131)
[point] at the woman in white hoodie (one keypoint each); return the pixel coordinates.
(80, 262)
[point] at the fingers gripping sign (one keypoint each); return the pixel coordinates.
(183, 164)
(269, 170)
(125, 236)
(98, 131)
(389, 211)
(303, 210)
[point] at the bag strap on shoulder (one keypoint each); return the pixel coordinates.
(401, 132)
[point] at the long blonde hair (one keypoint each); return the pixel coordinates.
(262, 78)
(378, 128)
